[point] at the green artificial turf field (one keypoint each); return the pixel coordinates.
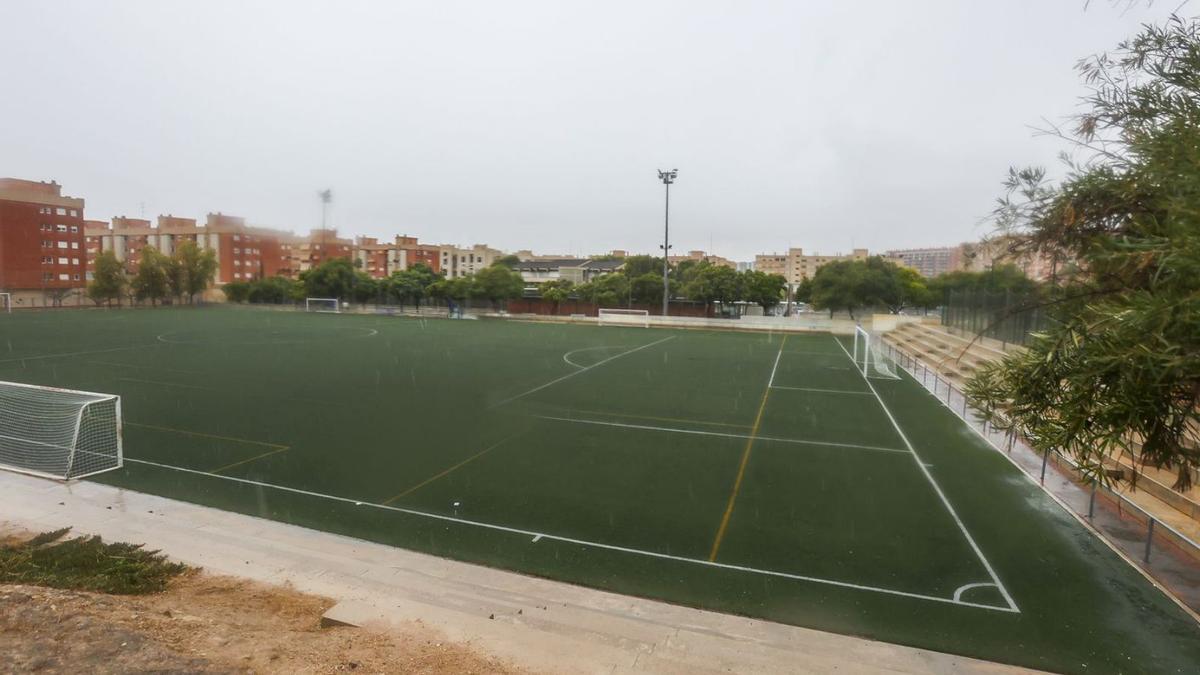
(741, 472)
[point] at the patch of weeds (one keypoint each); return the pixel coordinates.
(86, 564)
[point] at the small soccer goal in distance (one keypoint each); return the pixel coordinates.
(329, 305)
(869, 358)
(59, 433)
(6, 303)
(624, 317)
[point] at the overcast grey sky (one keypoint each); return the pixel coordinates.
(540, 124)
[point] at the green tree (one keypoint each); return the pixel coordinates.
(803, 291)
(334, 278)
(108, 279)
(710, 283)
(510, 261)
(840, 285)
(236, 291)
(639, 265)
(555, 291)
(1117, 369)
(765, 290)
(608, 290)
(272, 290)
(194, 269)
(647, 289)
(893, 286)
(152, 281)
(498, 283)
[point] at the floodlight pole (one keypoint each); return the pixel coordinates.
(667, 177)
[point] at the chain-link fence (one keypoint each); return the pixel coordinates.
(1000, 315)
(1168, 555)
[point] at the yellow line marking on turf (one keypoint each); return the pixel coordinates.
(741, 473)
(661, 419)
(250, 459)
(203, 435)
(452, 469)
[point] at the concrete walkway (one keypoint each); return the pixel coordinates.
(541, 624)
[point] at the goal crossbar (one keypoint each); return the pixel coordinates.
(59, 433)
(330, 305)
(624, 317)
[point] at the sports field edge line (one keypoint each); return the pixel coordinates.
(936, 488)
(579, 542)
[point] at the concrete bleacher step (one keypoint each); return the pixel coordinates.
(1158, 482)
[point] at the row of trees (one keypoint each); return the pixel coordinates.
(183, 275)
(851, 285)
(339, 279)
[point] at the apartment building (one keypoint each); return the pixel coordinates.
(984, 255)
(243, 253)
(796, 266)
(701, 256)
(321, 245)
(380, 260)
(463, 262)
(930, 262)
(42, 255)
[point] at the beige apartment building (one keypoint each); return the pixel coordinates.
(464, 262)
(796, 266)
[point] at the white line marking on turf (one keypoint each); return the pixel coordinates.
(966, 587)
(537, 538)
(674, 430)
(586, 349)
(96, 351)
(937, 488)
(824, 391)
(580, 542)
(578, 372)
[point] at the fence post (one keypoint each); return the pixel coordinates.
(1092, 501)
(1149, 540)
(1045, 458)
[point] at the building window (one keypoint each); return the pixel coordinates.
(61, 228)
(75, 277)
(62, 261)
(60, 211)
(74, 213)
(75, 245)
(74, 228)
(45, 210)
(62, 244)
(74, 261)
(64, 277)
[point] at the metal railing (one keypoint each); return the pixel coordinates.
(1123, 524)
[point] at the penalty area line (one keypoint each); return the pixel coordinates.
(537, 536)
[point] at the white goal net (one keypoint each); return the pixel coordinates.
(6, 302)
(58, 433)
(624, 317)
(869, 358)
(322, 305)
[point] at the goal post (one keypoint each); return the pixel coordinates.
(329, 305)
(59, 433)
(624, 317)
(869, 357)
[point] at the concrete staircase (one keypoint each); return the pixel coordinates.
(953, 357)
(956, 359)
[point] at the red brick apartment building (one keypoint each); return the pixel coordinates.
(380, 260)
(322, 245)
(243, 253)
(42, 256)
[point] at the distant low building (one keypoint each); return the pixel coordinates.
(701, 256)
(575, 270)
(381, 259)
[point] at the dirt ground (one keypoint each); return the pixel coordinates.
(211, 624)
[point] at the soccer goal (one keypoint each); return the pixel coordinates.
(624, 317)
(59, 433)
(330, 305)
(6, 302)
(869, 358)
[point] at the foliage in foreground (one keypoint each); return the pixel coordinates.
(1119, 369)
(86, 564)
